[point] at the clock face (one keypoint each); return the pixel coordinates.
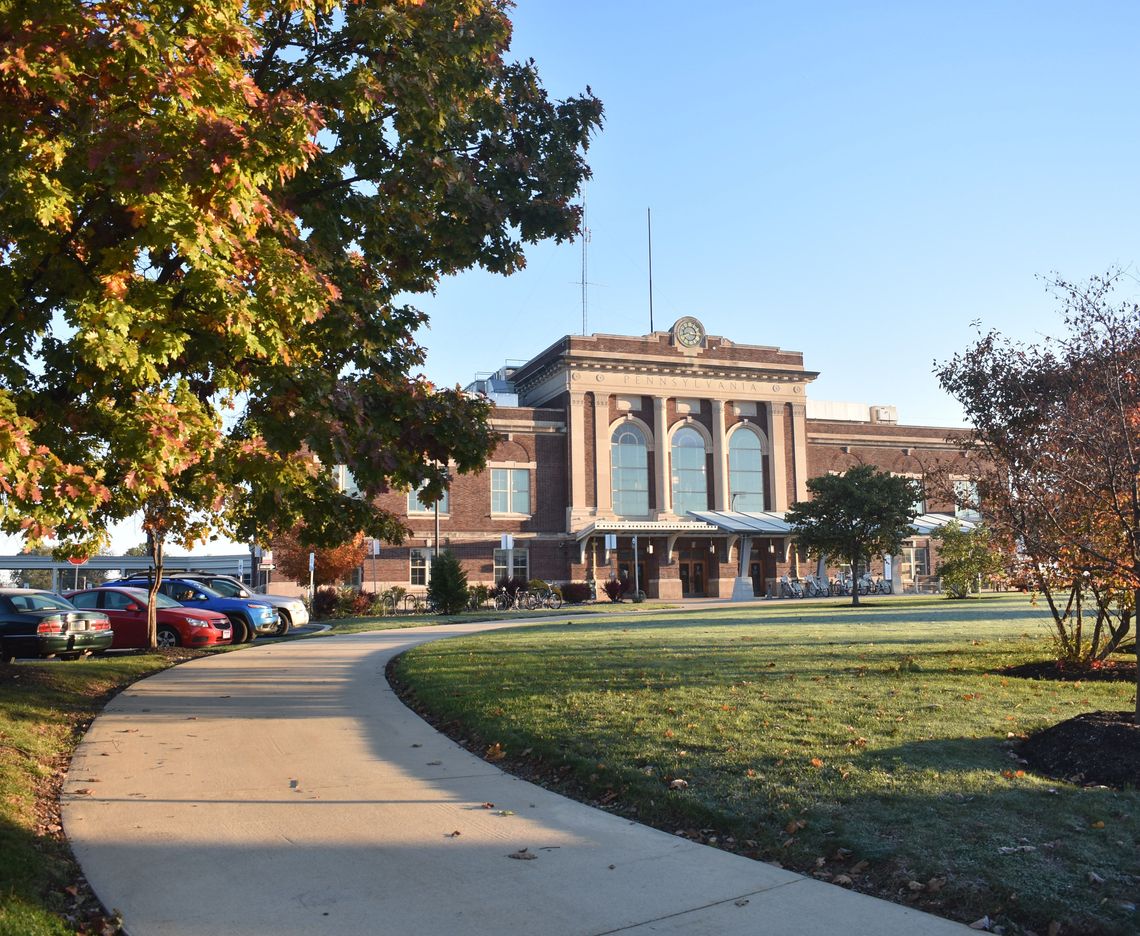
(689, 332)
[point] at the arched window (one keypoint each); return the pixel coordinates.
(690, 484)
(629, 471)
(745, 471)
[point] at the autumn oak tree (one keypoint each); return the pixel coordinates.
(216, 219)
(1058, 424)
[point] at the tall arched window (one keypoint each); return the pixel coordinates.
(745, 471)
(629, 471)
(690, 484)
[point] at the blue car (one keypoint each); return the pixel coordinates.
(249, 617)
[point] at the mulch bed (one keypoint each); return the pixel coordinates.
(1103, 671)
(1098, 748)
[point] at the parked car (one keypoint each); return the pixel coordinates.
(292, 611)
(248, 618)
(176, 626)
(36, 623)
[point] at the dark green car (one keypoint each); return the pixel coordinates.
(37, 623)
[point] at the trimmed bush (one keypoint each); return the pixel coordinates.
(448, 585)
(576, 592)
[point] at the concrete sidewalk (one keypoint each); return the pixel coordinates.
(285, 790)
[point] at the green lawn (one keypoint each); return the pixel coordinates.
(44, 709)
(871, 744)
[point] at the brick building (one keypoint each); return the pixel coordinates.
(691, 444)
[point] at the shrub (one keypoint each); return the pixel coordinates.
(477, 596)
(324, 604)
(537, 585)
(448, 585)
(576, 592)
(614, 589)
(512, 585)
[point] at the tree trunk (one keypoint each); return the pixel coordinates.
(1136, 645)
(157, 555)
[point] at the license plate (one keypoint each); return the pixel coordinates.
(227, 633)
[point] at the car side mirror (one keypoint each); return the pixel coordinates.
(134, 608)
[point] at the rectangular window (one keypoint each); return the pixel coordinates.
(419, 567)
(345, 482)
(918, 558)
(966, 501)
(417, 506)
(521, 561)
(510, 490)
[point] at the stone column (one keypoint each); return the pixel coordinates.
(799, 449)
(602, 452)
(661, 458)
(776, 459)
(720, 458)
(576, 453)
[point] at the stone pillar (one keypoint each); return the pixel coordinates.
(779, 474)
(720, 458)
(742, 586)
(602, 453)
(799, 449)
(576, 452)
(661, 458)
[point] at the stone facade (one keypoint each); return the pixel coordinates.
(570, 403)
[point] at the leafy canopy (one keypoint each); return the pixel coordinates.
(861, 513)
(1058, 424)
(216, 219)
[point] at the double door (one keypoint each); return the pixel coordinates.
(692, 572)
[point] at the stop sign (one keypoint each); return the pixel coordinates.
(77, 560)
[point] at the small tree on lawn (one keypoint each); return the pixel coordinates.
(966, 557)
(861, 513)
(1059, 424)
(448, 585)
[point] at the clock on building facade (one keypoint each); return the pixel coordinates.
(688, 332)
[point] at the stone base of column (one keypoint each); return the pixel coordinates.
(668, 589)
(742, 589)
(721, 587)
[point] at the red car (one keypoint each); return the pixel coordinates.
(177, 626)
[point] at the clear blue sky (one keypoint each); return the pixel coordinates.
(858, 182)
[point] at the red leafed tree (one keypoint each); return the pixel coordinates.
(1059, 425)
(330, 564)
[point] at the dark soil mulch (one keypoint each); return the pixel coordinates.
(1104, 671)
(1093, 748)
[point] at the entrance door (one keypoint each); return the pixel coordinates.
(692, 579)
(757, 579)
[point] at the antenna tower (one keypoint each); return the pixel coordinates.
(585, 243)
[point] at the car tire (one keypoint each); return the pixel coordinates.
(167, 637)
(242, 633)
(284, 624)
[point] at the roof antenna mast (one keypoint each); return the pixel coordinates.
(649, 222)
(585, 242)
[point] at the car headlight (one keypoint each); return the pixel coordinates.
(196, 622)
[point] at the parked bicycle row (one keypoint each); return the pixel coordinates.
(818, 586)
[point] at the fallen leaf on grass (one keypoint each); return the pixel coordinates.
(523, 855)
(495, 752)
(1099, 824)
(982, 924)
(816, 762)
(680, 784)
(794, 826)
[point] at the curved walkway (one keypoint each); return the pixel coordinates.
(286, 790)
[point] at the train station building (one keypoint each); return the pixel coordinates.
(668, 457)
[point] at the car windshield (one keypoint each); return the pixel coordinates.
(161, 601)
(41, 601)
(228, 588)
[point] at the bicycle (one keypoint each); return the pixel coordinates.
(790, 588)
(549, 598)
(504, 600)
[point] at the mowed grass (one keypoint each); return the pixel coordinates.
(870, 746)
(44, 708)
